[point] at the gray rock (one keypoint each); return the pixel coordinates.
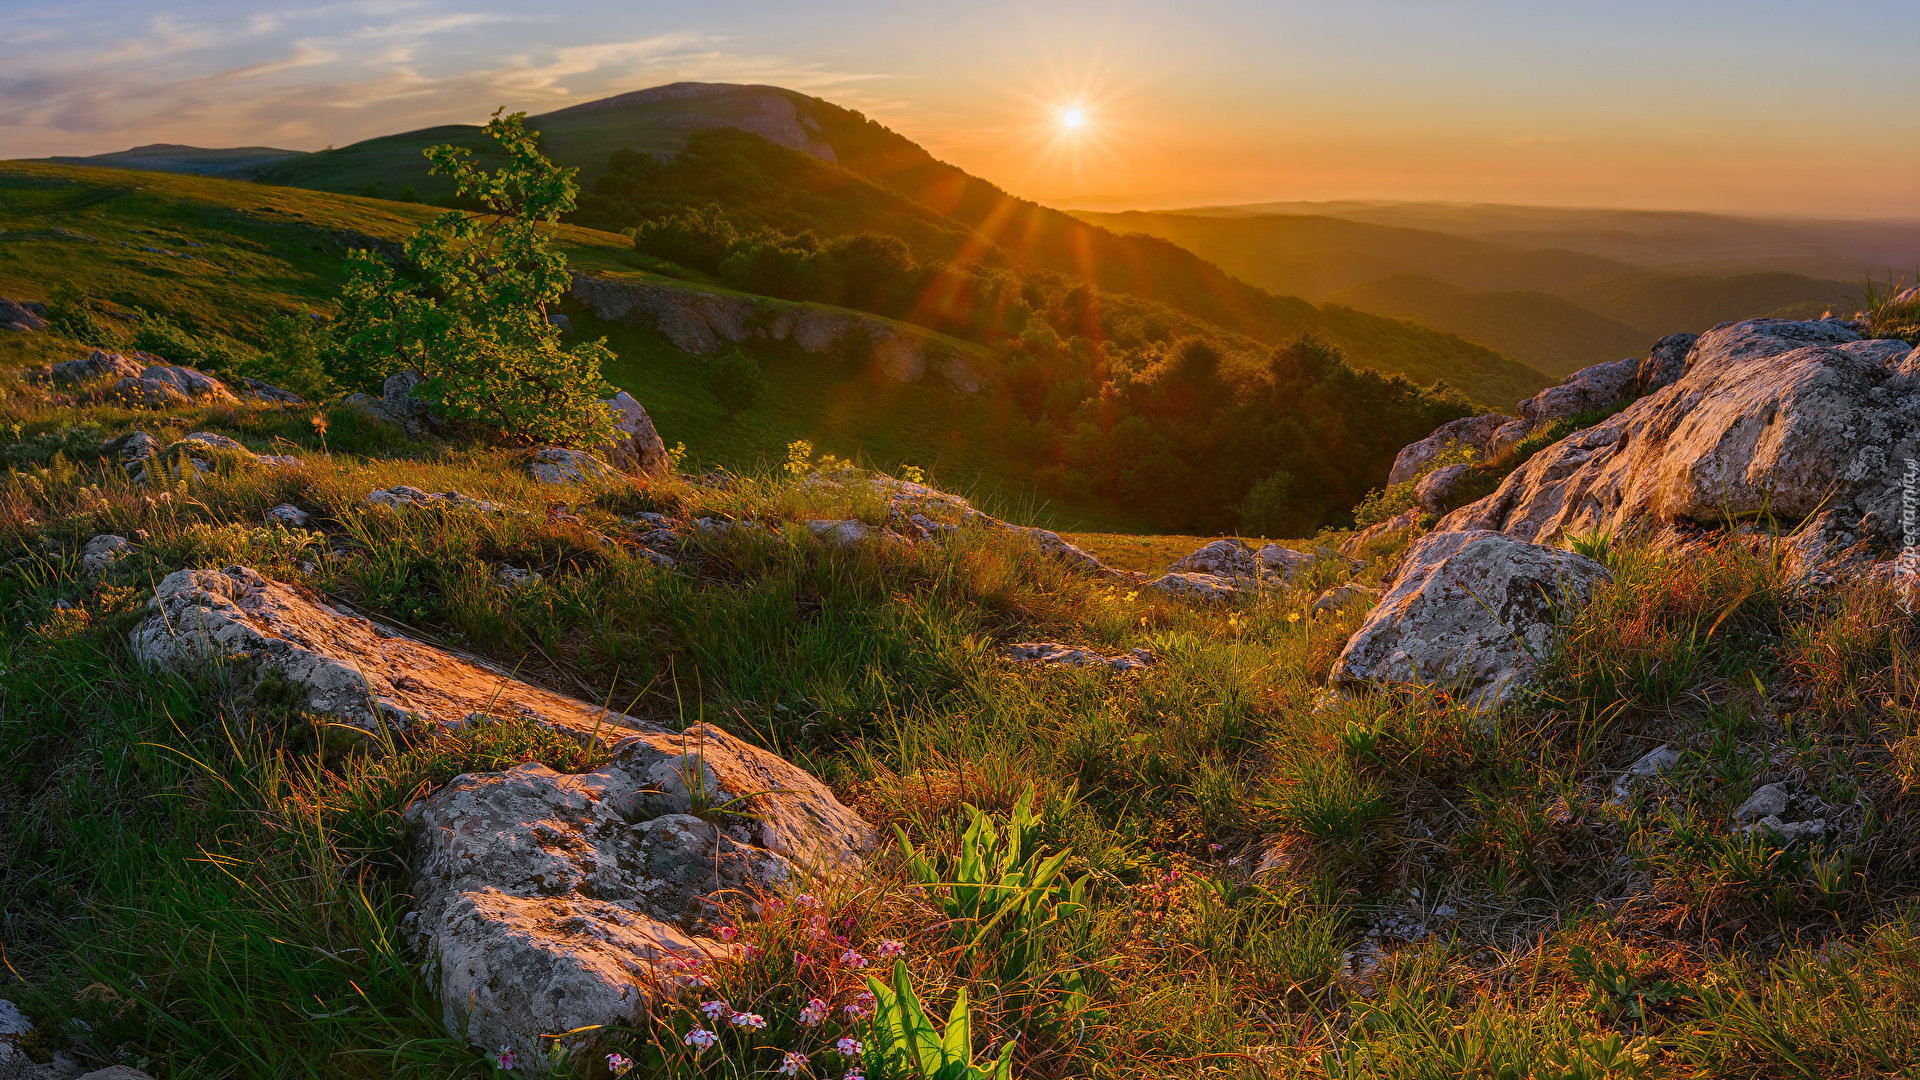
(404, 497)
(552, 902)
(1665, 363)
(1437, 489)
(637, 447)
(1768, 801)
(289, 515)
(1053, 545)
(513, 578)
(848, 533)
(1654, 763)
(1831, 548)
(147, 393)
(1198, 588)
(1770, 417)
(259, 390)
(191, 383)
(1600, 386)
(1280, 564)
(1471, 612)
(1882, 351)
(135, 447)
(556, 319)
(99, 365)
(240, 626)
(397, 395)
(22, 316)
(100, 552)
(559, 465)
(1474, 431)
(1049, 652)
(1222, 558)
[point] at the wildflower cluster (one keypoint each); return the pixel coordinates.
(812, 1019)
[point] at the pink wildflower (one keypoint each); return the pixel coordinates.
(620, 1064)
(508, 1057)
(853, 959)
(889, 949)
(807, 899)
(700, 1038)
(747, 1020)
(726, 933)
(849, 1047)
(713, 1009)
(814, 1013)
(792, 1063)
(799, 959)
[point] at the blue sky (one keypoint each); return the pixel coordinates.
(1795, 108)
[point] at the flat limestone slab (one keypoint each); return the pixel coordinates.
(239, 622)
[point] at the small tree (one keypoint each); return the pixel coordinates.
(474, 319)
(735, 381)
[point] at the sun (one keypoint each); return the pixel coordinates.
(1072, 118)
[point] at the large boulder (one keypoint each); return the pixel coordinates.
(560, 465)
(244, 627)
(190, 382)
(100, 364)
(1437, 490)
(23, 316)
(1474, 431)
(553, 902)
(1772, 416)
(1469, 612)
(637, 447)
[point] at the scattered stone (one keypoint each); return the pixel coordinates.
(404, 497)
(1222, 558)
(1783, 814)
(1047, 652)
(551, 902)
(1199, 588)
(558, 465)
(133, 447)
(1051, 544)
(921, 527)
(191, 383)
(100, 551)
(1280, 564)
(1768, 801)
(1654, 763)
(1471, 612)
(100, 364)
(288, 515)
(513, 578)
(22, 316)
(346, 667)
(637, 447)
(664, 562)
(848, 533)
(207, 440)
(148, 393)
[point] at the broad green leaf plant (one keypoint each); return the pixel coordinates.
(470, 312)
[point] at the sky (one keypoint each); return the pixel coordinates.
(1800, 109)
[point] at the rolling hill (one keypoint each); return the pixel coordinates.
(856, 175)
(1557, 309)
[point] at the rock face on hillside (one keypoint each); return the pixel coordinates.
(1474, 431)
(1469, 612)
(553, 902)
(243, 626)
(22, 316)
(1772, 415)
(702, 321)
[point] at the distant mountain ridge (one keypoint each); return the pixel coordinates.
(238, 162)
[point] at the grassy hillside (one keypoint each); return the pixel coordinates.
(1555, 335)
(231, 256)
(240, 161)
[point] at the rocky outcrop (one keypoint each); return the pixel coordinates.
(1473, 431)
(1665, 363)
(405, 497)
(191, 384)
(552, 902)
(1049, 652)
(252, 631)
(398, 405)
(1353, 545)
(1469, 612)
(1221, 558)
(1438, 489)
(637, 447)
(1772, 416)
(100, 364)
(102, 550)
(703, 321)
(1784, 814)
(1198, 588)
